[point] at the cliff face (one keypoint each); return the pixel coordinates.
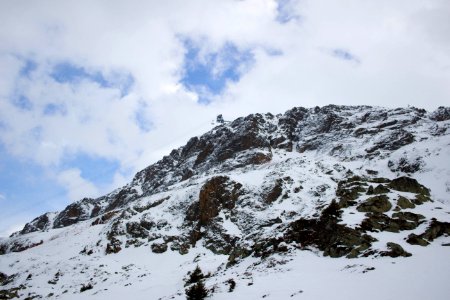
(341, 181)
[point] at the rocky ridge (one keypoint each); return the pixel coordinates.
(332, 180)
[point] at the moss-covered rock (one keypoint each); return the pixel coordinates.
(407, 184)
(327, 235)
(434, 230)
(376, 204)
(395, 250)
(349, 190)
(380, 189)
(404, 203)
(414, 239)
(421, 199)
(398, 222)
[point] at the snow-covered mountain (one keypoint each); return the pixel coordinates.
(339, 201)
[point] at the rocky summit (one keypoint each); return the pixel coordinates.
(346, 202)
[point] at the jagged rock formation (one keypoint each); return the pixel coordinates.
(333, 180)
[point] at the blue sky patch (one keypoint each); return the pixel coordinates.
(143, 122)
(207, 74)
(70, 73)
(52, 109)
(98, 170)
(29, 67)
(27, 190)
(22, 102)
(285, 12)
(67, 73)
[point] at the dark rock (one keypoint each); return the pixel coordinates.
(434, 230)
(187, 174)
(86, 287)
(104, 218)
(372, 172)
(204, 153)
(275, 192)
(395, 250)
(236, 254)
(394, 141)
(4, 248)
(441, 114)
(22, 245)
(74, 213)
(38, 224)
(409, 216)
(139, 208)
(404, 203)
(114, 246)
(421, 199)
(376, 204)
(122, 198)
(159, 247)
(405, 165)
(407, 184)
(217, 193)
(349, 190)
(3, 278)
(135, 230)
(11, 293)
(325, 233)
(414, 239)
(387, 124)
(398, 222)
(380, 189)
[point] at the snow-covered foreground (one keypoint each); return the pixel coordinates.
(136, 273)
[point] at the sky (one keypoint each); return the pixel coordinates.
(93, 91)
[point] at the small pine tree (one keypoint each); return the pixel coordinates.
(196, 276)
(197, 292)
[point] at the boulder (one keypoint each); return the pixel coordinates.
(376, 204)
(159, 247)
(395, 250)
(407, 184)
(404, 203)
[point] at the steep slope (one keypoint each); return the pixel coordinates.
(259, 198)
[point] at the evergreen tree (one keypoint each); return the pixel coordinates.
(196, 292)
(196, 276)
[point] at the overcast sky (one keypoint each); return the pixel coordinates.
(93, 91)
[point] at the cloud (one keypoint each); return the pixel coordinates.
(77, 187)
(344, 55)
(86, 82)
(11, 229)
(2, 197)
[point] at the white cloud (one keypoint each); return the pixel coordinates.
(77, 187)
(11, 229)
(402, 48)
(2, 197)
